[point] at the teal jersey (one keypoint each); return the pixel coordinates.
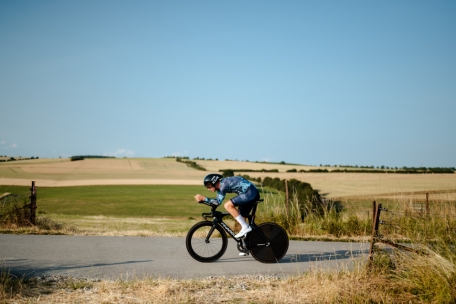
(233, 184)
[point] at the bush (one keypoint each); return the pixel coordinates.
(309, 200)
(14, 211)
(228, 173)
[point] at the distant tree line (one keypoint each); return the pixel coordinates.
(82, 157)
(365, 169)
(202, 158)
(400, 171)
(13, 159)
(181, 157)
(186, 157)
(405, 170)
(227, 159)
(311, 170)
(342, 168)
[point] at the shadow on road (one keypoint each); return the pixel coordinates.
(322, 256)
(23, 269)
(309, 257)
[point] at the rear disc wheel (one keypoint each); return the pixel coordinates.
(277, 238)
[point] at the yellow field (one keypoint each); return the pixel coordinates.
(153, 171)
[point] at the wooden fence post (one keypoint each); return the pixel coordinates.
(286, 198)
(427, 204)
(375, 223)
(33, 203)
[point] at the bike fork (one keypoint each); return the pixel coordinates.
(209, 234)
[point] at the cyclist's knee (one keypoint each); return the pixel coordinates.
(228, 205)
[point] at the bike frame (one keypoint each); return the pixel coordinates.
(217, 219)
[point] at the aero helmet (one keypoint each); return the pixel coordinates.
(212, 179)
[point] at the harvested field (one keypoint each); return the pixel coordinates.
(361, 184)
(167, 171)
(61, 173)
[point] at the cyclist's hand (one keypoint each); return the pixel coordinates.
(199, 198)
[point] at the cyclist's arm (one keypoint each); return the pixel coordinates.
(216, 201)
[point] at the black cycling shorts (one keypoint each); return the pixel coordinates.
(246, 200)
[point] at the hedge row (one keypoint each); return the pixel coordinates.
(191, 164)
(250, 170)
(82, 157)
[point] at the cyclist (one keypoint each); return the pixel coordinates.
(247, 195)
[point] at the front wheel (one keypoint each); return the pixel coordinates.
(206, 241)
(273, 248)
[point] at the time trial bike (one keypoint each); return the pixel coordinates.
(207, 240)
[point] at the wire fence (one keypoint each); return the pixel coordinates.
(416, 227)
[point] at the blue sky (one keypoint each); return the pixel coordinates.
(310, 82)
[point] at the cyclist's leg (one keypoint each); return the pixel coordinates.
(245, 203)
(231, 208)
(244, 209)
(249, 199)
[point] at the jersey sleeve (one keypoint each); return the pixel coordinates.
(216, 201)
(220, 196)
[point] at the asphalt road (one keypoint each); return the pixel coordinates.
(125, 258)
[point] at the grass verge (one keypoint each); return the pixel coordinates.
(391, 278)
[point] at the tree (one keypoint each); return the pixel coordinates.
(228, 173)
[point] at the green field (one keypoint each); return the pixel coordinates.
(101, 195)
(143, 200)
(123, 201)
(120, 210)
